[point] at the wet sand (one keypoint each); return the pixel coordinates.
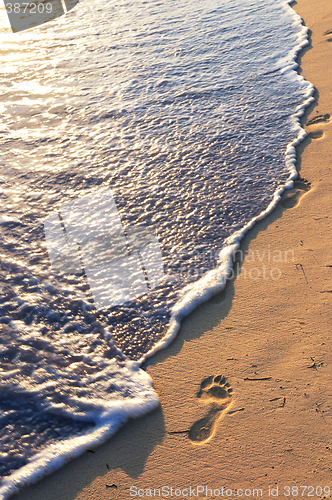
(268, 334)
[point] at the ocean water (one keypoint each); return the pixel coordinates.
(139, 141)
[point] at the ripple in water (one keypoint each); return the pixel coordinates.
(185, 117)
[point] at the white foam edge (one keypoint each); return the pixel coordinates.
(215, 280)
(56, 456)
(52, 458)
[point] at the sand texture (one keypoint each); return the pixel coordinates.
(245, 389)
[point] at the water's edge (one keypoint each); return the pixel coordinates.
(215, 280)
(192, 296)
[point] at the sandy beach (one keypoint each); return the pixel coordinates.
(268, 335)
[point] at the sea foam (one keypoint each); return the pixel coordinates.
(190, 117)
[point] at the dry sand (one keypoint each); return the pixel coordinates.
(270, 432)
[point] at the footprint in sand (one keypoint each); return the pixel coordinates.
(290, 198)
(319, 119)
(329, 32)
(318, 134)
(217, 391)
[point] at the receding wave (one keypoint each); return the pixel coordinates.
(138, 145)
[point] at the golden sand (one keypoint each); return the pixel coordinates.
(270, 338)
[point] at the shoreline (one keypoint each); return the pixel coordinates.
(282, 325)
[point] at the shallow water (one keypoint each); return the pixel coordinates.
(164, 126)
